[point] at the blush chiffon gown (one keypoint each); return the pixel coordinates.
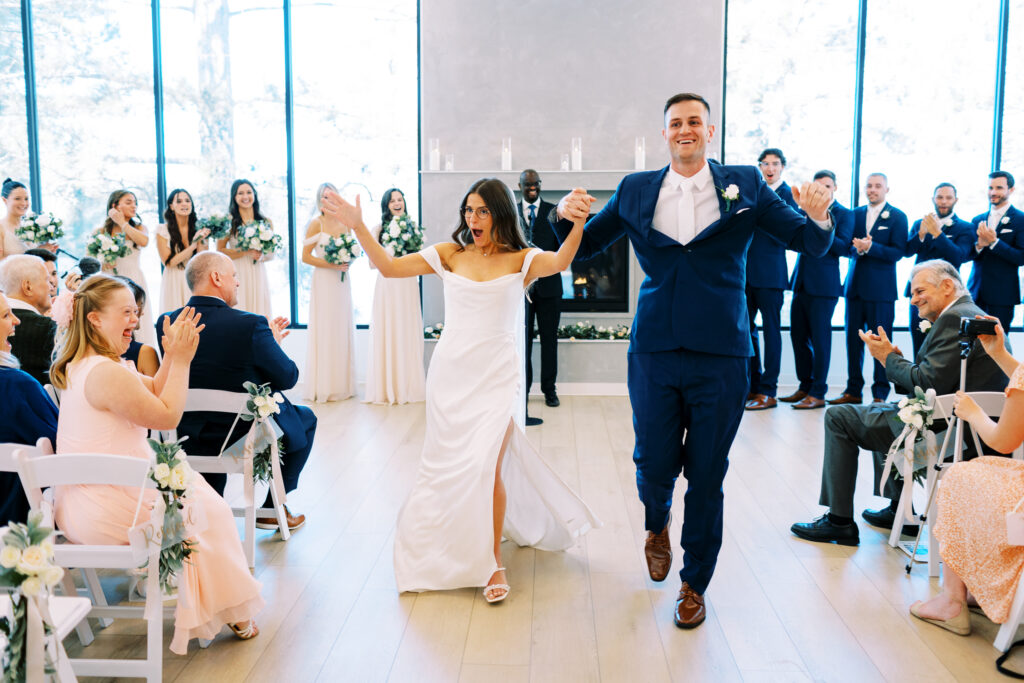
(331, 338)
(445, 532)
(220, 588)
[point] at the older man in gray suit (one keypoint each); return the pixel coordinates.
(941, 299)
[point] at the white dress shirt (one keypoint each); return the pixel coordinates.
(776, 185)
(873, 213)
(526, 209)
(993, 221)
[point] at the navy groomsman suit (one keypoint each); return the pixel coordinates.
(237, 347)
(871, 292)
(994, 283)
(767, 279)
(816, 291)
(545, 302)
(690, 347)
(954, 246)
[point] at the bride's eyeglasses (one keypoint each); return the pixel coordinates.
(481, 213)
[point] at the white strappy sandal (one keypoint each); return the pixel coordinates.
(490, 589)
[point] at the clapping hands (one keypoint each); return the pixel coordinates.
(862, 244)
(279, 327)
(879, 345)
(930, 226)
(181, 338)
(986, 235)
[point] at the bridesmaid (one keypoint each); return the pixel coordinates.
(15, 196)
(330, 351)
(177, 240)
(253, 287)
(394, 371)
(122, 216)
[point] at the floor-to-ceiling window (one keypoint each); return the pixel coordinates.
(13, 122)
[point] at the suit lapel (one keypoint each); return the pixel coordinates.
(649, 201)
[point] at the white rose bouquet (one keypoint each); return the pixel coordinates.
(26, 567)
(107, 248)
(401, 236)
(174, 478)
(218, 225)
(262, 404)
(259, 236)
(39, 228)
(339, 250)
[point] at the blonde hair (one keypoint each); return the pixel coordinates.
(80, 336)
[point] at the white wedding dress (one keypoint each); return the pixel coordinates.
(445, 533)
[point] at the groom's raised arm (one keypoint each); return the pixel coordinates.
(601, 231)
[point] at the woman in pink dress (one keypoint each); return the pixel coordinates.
(974, 498)
(106, 407)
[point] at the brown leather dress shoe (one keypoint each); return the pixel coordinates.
(658, 551)
(762, 402)
(809, 403)
(878, 400)
(845, 398)
(293, 521)
(794, 397)
(690, 612)
(751, 396)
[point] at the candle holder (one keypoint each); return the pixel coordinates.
(434, 154)
(506, 154)
(577, 154)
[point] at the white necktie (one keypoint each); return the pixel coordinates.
(685, 228)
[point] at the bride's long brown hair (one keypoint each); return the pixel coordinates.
(75, 340)
(505, 229)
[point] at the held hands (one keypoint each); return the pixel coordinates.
(181, 338)
(930, 226)
(350, 215)
(575, 206)
(879, 345)
(986, 235)
(118, 217)
(814, 199)
(279, 328)
(862, 244)
(965, 407)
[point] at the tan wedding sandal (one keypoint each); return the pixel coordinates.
(245, 631)
(490, 589)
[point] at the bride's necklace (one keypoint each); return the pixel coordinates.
(487, 254)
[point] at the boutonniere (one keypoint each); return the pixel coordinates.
(730, 194)
(924, 326)
(885, 214)
(1006, 219)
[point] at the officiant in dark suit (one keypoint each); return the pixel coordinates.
(545, 302)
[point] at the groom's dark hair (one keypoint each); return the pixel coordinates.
(686, 97)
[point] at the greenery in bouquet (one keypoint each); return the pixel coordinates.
(262, 404)
(39, 228)
(401, 236)
(339, 250)
(258, 236)
(585, 330)
(173, 477)
(108, 248)
(433, 331)
(914, 412)
(28, 570)
(218, 225)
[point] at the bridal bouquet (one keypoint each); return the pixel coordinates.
(26, 567)
(339, 250)
(173, 477)
(219, 226)
(258, 236)
(401, 236)
(262, 404)
(39, 228)
(108, 248)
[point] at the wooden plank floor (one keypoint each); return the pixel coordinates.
(780, 609)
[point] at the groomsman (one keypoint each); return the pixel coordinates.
(939, 235)
(816, 291)
(879, 241)
(545, 302)
(998, 252)
(767, 278)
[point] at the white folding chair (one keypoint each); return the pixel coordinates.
(64, 614)
(53, 393)
(233, 403)
(117, 470)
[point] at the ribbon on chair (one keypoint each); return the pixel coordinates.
(263, 432)
(37, 644)
(905, 465)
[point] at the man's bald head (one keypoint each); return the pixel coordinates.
(211, 273)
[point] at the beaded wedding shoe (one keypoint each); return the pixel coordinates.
(490, 590)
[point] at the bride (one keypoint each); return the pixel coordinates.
(479, 478)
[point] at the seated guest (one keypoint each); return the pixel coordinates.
(240, 347)
(50, 261)
(941, 298)
(144, 356)
(28, 415)
(24, 279)
(973, 501)
(107, 407)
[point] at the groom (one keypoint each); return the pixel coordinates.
(690, 224)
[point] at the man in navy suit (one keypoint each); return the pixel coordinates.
(816, 291)
(237, 347)
(998, 252)
(767, 278)
(690, 225)
(939, 235)
(879, 241)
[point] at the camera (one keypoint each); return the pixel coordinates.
(972, 327)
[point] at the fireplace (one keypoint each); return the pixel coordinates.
(600, 284)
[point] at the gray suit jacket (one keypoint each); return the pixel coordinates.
(938, 363)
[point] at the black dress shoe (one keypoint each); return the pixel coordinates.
(822, 530)
(885, 517)
(551, 399)
(533, 421)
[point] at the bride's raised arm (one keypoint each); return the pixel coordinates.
(552, 262)
(351, 215)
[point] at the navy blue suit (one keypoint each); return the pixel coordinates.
(237, 347)
(954, 246)
(871, 293)
(28, 415)
(994, 283)
(816, 291)
(767, 277)
(690, 345)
